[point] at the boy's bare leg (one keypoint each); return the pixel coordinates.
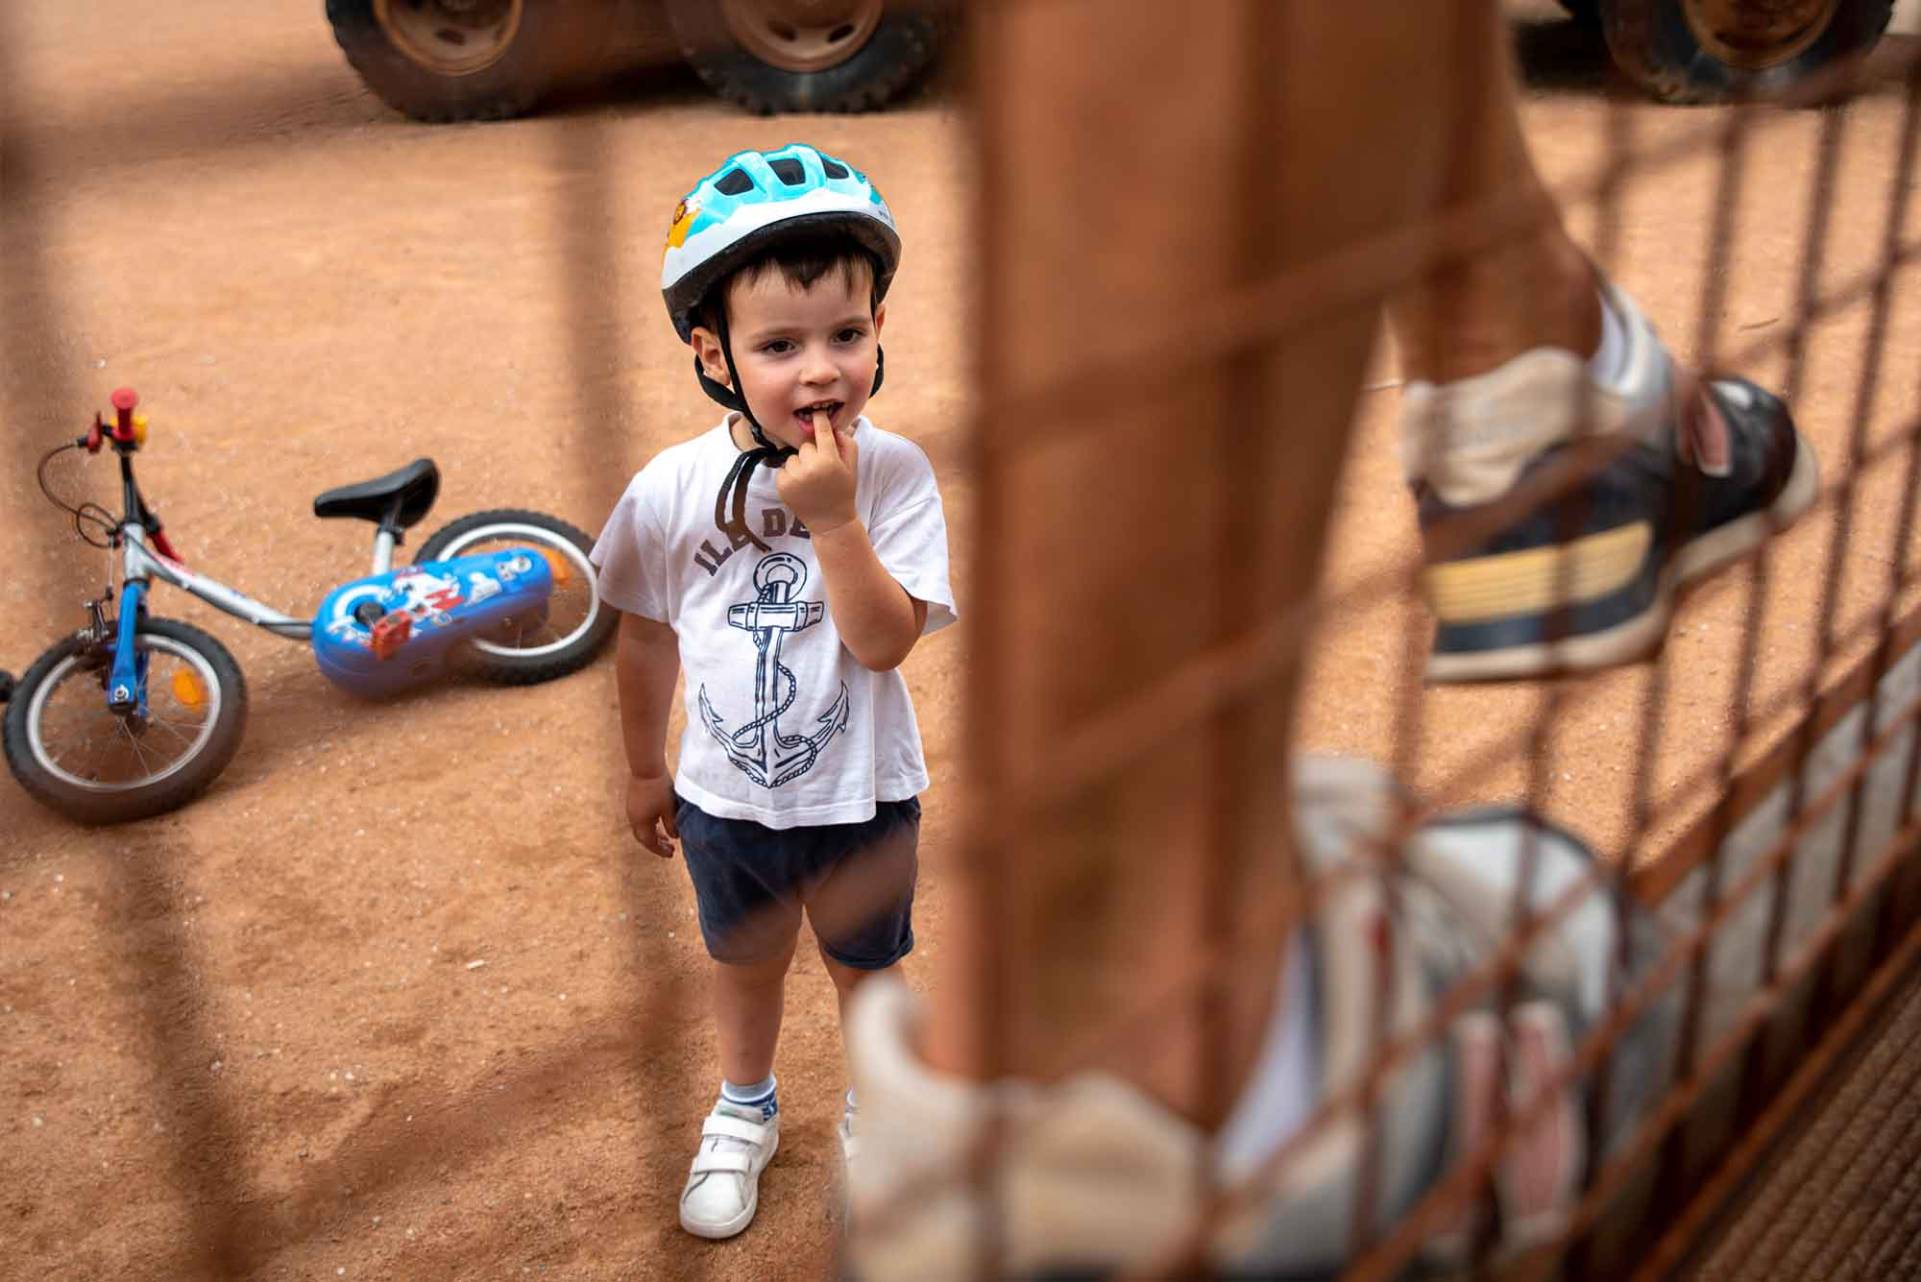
(847, 979)
(1131, 532)
(1534, 287)
(748, 1003)
(740, 1136)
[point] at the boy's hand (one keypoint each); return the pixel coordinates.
(818, 482)
(650, 809)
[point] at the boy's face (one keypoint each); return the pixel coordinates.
(799, 349)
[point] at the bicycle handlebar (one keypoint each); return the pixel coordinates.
(128, 433)
(129, 430)
(124, 400)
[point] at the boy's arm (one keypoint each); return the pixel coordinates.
(876, 618)
(646, 661)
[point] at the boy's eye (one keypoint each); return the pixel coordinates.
(852, 334)
(777, 347)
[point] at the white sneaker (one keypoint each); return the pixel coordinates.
(849, 1141)
(723, 1183)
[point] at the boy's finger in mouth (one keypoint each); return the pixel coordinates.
(804, 417)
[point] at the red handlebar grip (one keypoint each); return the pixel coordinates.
(124, 400)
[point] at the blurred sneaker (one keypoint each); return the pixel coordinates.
(1588, 579)
(1094, 1178)
(849, 1141)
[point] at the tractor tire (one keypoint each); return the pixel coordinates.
(442, 60)
(1704, 51)
(807, 55)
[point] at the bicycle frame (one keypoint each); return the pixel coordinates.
(142, 565)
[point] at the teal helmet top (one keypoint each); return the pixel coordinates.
(751, 201)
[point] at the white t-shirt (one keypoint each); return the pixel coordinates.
(784, 725)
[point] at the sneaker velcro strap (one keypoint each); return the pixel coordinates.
(738, 1128)
(734, 1160)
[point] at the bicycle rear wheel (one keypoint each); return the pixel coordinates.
(576, 624)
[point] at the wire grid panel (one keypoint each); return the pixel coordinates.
(1152, 506)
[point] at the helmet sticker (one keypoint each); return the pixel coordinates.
(684, 216)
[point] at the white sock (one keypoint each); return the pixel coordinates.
(1493, 423)
(1609, 364)
(1279, 1095)
(760, 1095)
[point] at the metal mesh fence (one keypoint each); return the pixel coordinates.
(1181, 246)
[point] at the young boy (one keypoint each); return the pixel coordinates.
(789, 558)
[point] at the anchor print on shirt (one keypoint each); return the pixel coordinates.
(761, 749)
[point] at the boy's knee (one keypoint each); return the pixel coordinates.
(762, 970)
(843, 975)
(846, 978)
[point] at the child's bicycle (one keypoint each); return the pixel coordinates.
(135, 715)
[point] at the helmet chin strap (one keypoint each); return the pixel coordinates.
(730, 505)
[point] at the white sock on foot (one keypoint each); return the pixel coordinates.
(1470, 439)
(763, 1095)
(1609, 364)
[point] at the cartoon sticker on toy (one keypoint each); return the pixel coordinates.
(481, 587)
(347, 630)
(423, 594)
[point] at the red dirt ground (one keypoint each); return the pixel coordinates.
(251, 1039)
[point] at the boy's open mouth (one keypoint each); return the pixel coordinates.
(805, 415)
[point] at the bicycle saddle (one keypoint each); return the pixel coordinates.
(407, 495)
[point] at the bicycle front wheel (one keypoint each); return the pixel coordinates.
(97, 766)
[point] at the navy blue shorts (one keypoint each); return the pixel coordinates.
(856, 882)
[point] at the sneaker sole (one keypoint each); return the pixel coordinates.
(737, 1225)
(1640, 636)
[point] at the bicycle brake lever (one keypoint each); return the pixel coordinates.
(97, 628)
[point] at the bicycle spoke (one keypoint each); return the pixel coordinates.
(134, 743)
(107, 764)
(95, 759)
(75, 739)
(172, 727)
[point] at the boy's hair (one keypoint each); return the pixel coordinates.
(802, 259)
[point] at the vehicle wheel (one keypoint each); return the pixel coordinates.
(1721, 50)
(577, 624)
(807, 55)
(97, 766)
(439, 60)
